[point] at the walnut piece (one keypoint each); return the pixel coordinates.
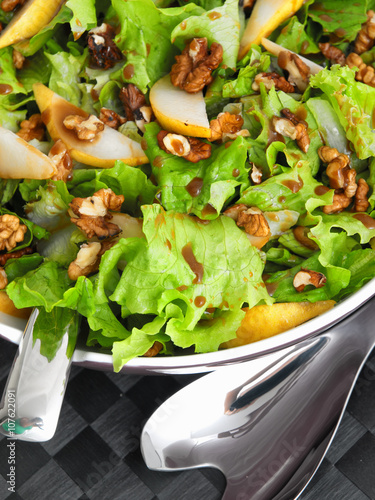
(366, 35)
(60, 156)
(234, 211)
(190, 148)
(33, 128)
(338, 171)
(272, 80)
(111, 118)
(18, 59)
(340, 202)
(365, 73)
(11, 231)
(361, 202)
(3, 278)
(86, 129)
(103, 51)
(132, 99)
(93, 213)
(8, 5)
(226, 126)
(333, 54)
(194, 67)
(292, 127)
(298, 71)
(254, 222)
(154, 350)
(306, 277)
(14, 255)
(88, 259)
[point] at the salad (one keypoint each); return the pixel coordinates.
(175, 179)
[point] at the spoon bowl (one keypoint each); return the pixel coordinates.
(266, 423)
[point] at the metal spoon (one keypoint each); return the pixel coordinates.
(34, 392)
(265, 423)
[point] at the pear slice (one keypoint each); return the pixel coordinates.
(265, 17)
(21, 160)
(29, 20)
(275, 49)
(178, 111)
(7, 306)
(107, 147)
(265, 321)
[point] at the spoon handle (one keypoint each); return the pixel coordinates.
(34, 392)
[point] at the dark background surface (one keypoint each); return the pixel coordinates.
(95, 452)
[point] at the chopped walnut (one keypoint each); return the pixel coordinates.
(102, 49)
(333, 54)
(111, 118)
(340, 202)
(154, 350)
(60, 156)
(254, 222)
(366, 36)
(86, 129)
(3, 278)
(272, 80)
(338, 171)
(361, 202)
(365, 73)
(190, 148)
(93, 213)
(298, 71)
(234, 211)
(256, 174)
(305, 277)
(88, 259)
(132, 100)
(8, 5)
(33, 128)
(293, 128)
(11, 231)
(225, 125)
(14, 255)
(18, 59)
(192, 71)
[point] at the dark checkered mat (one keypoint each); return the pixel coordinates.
(95, 452)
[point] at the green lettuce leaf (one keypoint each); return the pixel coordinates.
(145, 39)
(84, 16)
(294, 37)
(354, 104)
(219, 25)
(201, 188)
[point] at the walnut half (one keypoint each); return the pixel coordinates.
(254, 222)
(86, 129)
(93, 213)
(11, 231)
(190, 148)
(192, 71)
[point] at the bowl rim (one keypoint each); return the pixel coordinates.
(11, 329)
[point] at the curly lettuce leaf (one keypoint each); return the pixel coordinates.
(145, 39)
(253, 63)
(220, 25)
(343, 19)
(353, 103)
(289, 190)
(215, 178)
(157, 274)
(122, 179)
(294, 37)
(84, 16)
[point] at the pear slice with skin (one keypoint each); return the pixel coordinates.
(29, 20)
(265, 17)
(107, 147)
(178, 111)
(266, 321)
(21, 160)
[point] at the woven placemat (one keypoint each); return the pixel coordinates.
(95, 453)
